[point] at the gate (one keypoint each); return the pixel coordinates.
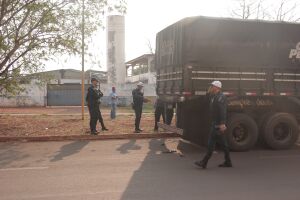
(65, 94)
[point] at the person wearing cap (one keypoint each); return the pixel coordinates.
(113, 102)
(138, 100)
(93, 102)
(218, 112)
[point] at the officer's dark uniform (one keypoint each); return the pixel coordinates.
(218, 112)
(138, 100)
(169, 113)
(93, 101)
(159, 111)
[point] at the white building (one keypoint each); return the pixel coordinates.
(141, 69)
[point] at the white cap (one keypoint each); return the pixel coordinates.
(217, 84)
(140, 84)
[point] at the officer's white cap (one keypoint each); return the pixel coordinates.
(217, 84)
(140, 84)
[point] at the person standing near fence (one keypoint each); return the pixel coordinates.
(113, 103)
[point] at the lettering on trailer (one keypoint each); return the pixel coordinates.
(167, 48)
(295, 53)
(246, 102)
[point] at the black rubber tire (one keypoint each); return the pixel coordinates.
(260, 123)
(287, 126)
(243, 122)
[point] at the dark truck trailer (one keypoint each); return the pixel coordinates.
(258, 63)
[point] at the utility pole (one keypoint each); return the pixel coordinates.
(82, 63)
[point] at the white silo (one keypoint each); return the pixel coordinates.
(116, 49)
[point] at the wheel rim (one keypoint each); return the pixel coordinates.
(282, 131)
(240, 133)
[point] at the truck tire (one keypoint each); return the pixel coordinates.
(260, 123)
(280, 131)
(242, 132)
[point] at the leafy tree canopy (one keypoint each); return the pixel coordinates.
(32, 31)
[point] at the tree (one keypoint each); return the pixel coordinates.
(150, 47)
(244, 9)
(33, 31)
(280, 10)
(286, 10)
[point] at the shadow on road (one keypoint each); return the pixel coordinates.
(131, 145)
(10, 154)
(69, 149)
(149, 179)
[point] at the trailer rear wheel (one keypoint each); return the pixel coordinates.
(261, 122)
(242, 132)
(280, 131)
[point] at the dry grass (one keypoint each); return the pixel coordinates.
(44, 125)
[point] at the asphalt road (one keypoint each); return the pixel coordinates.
(143, 169)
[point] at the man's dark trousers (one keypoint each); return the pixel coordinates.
(138, 114)
(216, 136)
(100, 118)
(169, 115)
(93, 117)
(159, 111)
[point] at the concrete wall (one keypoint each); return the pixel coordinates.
(124, 91)
(34, 95)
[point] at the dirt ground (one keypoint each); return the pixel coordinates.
(60, 110)
(47, 125)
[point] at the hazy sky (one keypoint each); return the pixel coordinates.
(147, 17)
(143, 20)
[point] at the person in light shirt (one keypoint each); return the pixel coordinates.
(113, 103)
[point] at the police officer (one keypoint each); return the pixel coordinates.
(138, 100)
(93, 101)
(169, 112)
(218, 111)
(159, 111)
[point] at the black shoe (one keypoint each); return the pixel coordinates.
(104, 129)
(137, 131)
(225, 164)
(155, 129)
(201, 164)
(94, 132)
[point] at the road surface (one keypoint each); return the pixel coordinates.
(142, 170)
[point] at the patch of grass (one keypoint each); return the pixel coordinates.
(148, 108)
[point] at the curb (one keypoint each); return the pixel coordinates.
(86, 137)
(67, 114)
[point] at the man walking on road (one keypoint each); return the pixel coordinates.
(93, 101)
(218, 112)
(138, 100)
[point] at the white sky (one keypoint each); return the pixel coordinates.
(143, 20)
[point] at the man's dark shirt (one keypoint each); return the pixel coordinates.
(218, 108)
(93, 96)
(138, 98)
